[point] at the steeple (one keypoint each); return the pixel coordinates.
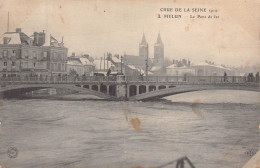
(143, 42)
(159, 40)
(143, 47)
(159, 52)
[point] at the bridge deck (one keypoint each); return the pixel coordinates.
(143, 87)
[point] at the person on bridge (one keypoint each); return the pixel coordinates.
(142, 76)
(225, 76)
(108, 72)
(257, 77)
(250, 77)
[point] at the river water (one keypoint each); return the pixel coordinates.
(214, 129)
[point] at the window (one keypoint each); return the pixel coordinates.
(31, 55)
(13, 63)
(55, 56)
(26, 55)
(5, 64)
(14, 53)
(63, 56)
(7, 40)
(34, 55)
(5, 53)
(25, 65)
(44, 54)
(34, 64)
(48, 65)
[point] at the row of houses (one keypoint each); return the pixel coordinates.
(201, 69)
(42, 55)
(127, 65)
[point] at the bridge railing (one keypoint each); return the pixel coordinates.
(59, 79)
(191, 79)
(156, 79)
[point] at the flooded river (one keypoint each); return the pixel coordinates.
(214, 129)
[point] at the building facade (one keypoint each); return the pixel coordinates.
(74, 67)
(80, 65)
(173, 70)
(88, 64)
(211, 69)
(21, 55)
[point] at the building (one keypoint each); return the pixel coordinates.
(102, 64)
(88, 64)
(174, 70)
(143, 48)
(158, 60)
(139, 62)
(74, 66)
(80, 65)
(210, 69)
(158, 52)
(21, 55)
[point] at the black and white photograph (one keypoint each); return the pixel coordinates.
(129, 84)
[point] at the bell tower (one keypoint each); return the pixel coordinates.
(143, 48)
(159, 51)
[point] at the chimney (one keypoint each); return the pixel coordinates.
(41, 38)
(18, 30)
(36, 38)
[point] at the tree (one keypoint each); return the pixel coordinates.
(167, 62)
(73, 72)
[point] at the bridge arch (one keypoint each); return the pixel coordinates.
(86, 86)
(133, 90)
(178, 89)
(103, 88)
(142, 89)
(112, 90)
(94, 87)
(32, 87)
(152, 88)
(161, 87)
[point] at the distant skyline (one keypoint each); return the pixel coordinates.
(97, 27)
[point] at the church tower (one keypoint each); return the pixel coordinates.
(143, 48)
(159, 51)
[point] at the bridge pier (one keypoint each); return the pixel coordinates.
(121, 87)
(127, 91)
(107, 89)
(137, 89)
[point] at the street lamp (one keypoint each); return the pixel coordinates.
(121, 65)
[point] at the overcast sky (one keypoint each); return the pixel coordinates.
(96, 27)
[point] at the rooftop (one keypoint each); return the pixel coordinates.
(20, 37)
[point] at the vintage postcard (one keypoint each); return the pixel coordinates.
(129, 83)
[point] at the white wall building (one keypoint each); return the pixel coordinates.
(75, 64)
(211, 69)
(173, 70)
